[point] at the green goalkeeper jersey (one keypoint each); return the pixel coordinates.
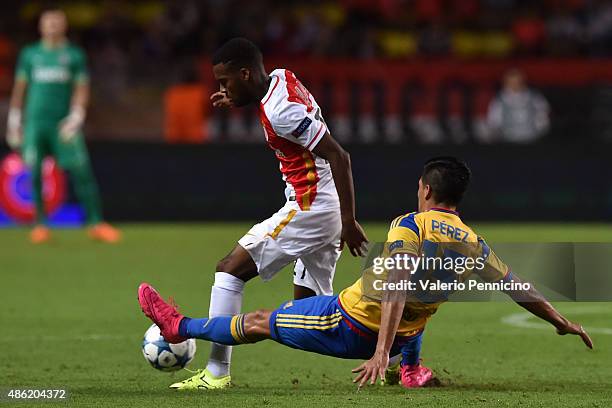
(51, 74)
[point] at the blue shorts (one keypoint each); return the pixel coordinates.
(320, 325)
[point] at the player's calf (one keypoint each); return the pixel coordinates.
(257, 325)
(229, 330)
(226, 300)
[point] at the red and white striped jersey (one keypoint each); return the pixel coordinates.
(293, 126)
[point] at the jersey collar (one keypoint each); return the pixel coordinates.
(60, 46)
(273, 84)
(445, 210)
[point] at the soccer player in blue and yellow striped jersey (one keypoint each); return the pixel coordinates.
(364, 321)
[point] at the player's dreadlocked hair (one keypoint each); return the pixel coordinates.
(238, 53)
(448, 177)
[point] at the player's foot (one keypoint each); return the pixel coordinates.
(203, 380)
(164, 315)
(40, 234)
(414, 376)
(392, 375)
(104, 232)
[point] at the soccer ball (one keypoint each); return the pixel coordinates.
(163, 355)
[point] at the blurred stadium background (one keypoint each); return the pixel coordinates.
(399, 80)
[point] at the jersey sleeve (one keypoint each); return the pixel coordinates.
(24, 66)
(295, 123)
(79, 67)
(493, 269)
(404, 236)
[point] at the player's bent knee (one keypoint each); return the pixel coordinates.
(223, 265)
(239, 264)
(257, 325)
(228, 265)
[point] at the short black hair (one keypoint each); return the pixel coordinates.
(238, 53)
(51, 8)
(448, 177)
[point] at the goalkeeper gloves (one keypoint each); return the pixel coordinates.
(71, 124)
(13, 128)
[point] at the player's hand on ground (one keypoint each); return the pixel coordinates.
(354, 238)
(14, 137)
(575, 328)
(220, 100)
(372, 369)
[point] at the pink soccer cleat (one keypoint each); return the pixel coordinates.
(163, 314)
(415, 376)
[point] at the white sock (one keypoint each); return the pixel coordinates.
(395, 359)
(225, 300)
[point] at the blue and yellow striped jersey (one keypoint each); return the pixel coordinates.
(420, 234)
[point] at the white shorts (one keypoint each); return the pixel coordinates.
(311, 238)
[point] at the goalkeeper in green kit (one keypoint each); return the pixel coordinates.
(51, 76)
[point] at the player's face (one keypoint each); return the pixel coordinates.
(515, 82)
(53, 24)
(233, 84)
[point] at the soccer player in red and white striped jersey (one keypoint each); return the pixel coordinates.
(318, 218)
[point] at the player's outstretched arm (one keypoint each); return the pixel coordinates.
(71, 124)
(392, 308)
(340, 162)
(534, 302)
(14, 133)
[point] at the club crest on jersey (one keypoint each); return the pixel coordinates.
(64, 59)
(396, 245)
(302, 127)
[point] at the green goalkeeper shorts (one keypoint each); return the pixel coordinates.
(42, 139)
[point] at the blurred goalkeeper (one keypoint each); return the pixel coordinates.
(54, 73)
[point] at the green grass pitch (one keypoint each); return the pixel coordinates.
(69, 319)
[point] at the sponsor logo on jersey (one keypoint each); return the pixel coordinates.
(304, 124)
(51, 74)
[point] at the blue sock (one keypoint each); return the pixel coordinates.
(411, 351)
(228, 330)
(183, 327)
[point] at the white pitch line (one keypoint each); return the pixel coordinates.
(522, 320)
(85, 337)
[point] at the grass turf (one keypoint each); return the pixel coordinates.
(69, 319)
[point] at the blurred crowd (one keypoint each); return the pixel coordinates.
(122, 38)
(403, 28)
(349, 28)
(143, 47)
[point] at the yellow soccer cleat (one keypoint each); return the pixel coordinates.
(392, 375)
(203, 380)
